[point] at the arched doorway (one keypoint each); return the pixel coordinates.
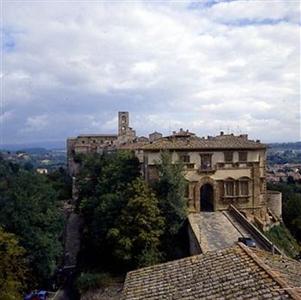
(207, 197)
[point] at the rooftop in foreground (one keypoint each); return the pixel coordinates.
(232, 273)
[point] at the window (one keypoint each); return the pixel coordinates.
(243, 156)
(185, 158)
(244, 188)
(229, 188)
(83, 142)
(228, 156)
(206, 161)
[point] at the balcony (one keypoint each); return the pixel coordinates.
(206, 169)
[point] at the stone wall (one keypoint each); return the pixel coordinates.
(194, 236)
(274, 202)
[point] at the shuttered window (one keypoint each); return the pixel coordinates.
(243, 156)
(244, 188)
(228, 156)
(229, 188)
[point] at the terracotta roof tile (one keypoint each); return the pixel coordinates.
(228, 274)
(194, 142)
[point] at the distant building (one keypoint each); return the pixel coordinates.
(42, 171)
(98, 143)
(155, 136)
(125, 133)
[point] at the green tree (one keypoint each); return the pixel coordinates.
(102, 185)
(29, 208)
(171, 191)
(136, 237)
(62, 183)
(12, 267)
(108, 173)
(291, 206)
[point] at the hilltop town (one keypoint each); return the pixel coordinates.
(139, 217)
(150, 150)
(226, 197)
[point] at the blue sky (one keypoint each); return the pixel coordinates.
(68, 67)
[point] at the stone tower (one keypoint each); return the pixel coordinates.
(125, 133)
(123, 122)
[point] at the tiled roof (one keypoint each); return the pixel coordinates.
(287, 268)
(232, 273)
(194, 142)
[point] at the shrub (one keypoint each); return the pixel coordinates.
(92, 281)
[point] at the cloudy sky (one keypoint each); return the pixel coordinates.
(68, 67)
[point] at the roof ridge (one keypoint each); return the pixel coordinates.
(279, 279)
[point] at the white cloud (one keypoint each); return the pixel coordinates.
(74, 66)
(36, 123)
(256, 10)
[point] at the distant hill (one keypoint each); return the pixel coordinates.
(46, 145)
(285, 146)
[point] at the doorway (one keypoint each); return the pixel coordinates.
(207, 197)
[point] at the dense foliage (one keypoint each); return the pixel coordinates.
(171, 191)
(280, 236)
(12, 267)
(128, 224)
(29, 208)
(291, 206)
(91, 281)
(102, 188)
(62, 183)
(137, 231)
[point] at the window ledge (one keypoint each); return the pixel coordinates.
(237, 196)
(206, 171)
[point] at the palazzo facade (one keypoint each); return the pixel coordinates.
(220, 170)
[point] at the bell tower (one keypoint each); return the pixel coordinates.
(123, 122)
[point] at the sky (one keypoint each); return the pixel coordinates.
(68, 67)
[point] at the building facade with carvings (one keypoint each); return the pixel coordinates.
(220, 170)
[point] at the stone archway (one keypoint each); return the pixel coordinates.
(206, 197)
(205, 181)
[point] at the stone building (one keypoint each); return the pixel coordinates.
(155, 136)
(125, 133)
(98, 143)
(220, 170)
